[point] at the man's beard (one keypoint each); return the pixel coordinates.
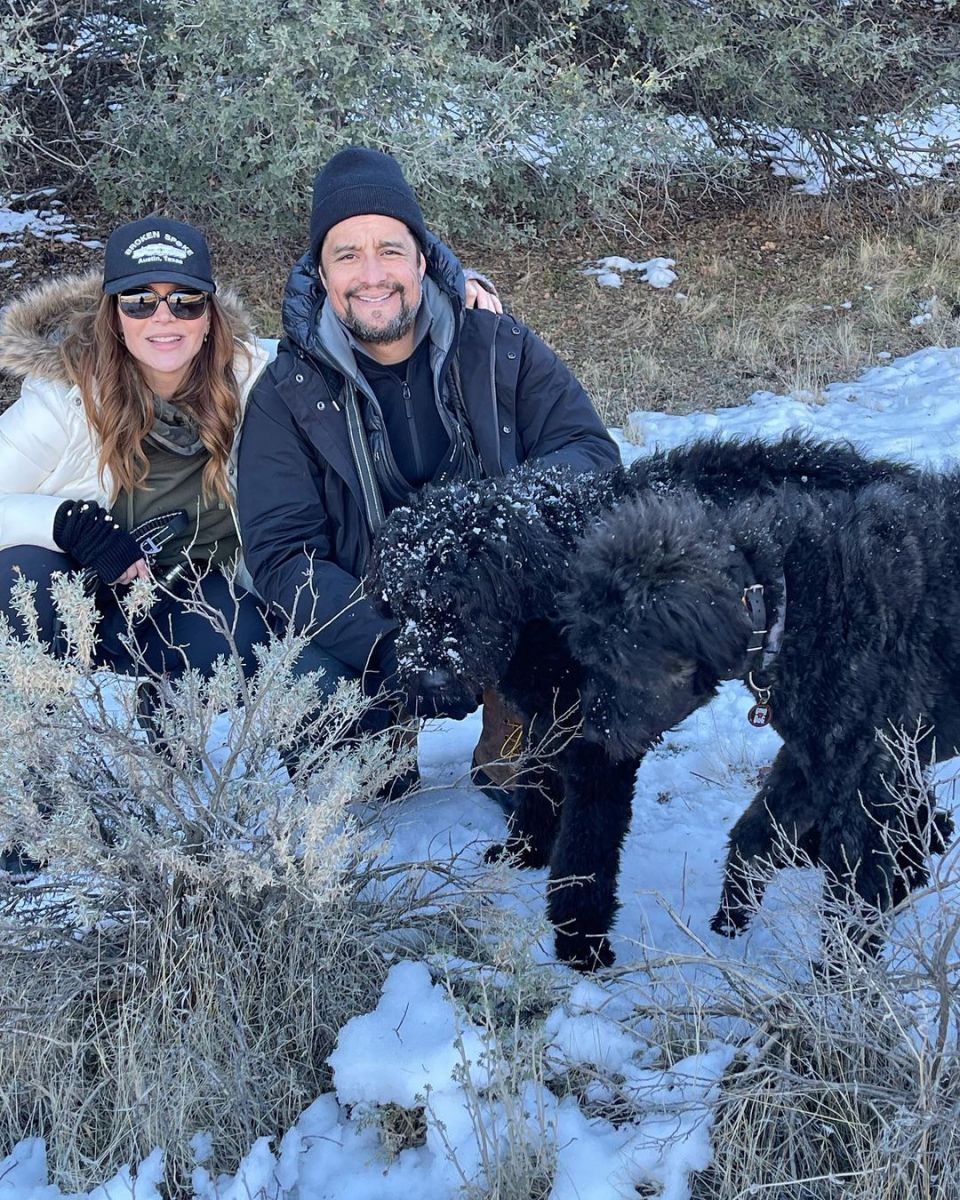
(381, 335)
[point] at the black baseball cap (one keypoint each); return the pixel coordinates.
(156, 250)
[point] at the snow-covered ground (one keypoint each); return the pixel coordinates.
(416, 1048)
(41, 222)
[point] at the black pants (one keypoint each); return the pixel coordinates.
(169, 640)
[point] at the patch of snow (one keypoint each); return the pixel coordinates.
(39, 222)
(609, 271)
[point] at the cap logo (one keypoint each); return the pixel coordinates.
(147, 248)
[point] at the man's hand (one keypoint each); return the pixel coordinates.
(477, 296)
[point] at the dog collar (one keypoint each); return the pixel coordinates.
(763, 647)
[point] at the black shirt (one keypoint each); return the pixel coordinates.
(414, 427)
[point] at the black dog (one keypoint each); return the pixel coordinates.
(473, 573)
(625, 623)
(672, 594)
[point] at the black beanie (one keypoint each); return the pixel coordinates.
(357, 181)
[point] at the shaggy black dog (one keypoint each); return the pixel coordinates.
(620, 601)
(863, 582)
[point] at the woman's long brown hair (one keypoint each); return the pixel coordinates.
(119, 405)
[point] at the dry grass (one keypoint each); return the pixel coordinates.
(785, 294)
(850, 1089)
(513, 1115)
(203, 1013)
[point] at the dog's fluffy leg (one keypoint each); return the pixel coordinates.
(538, 800)
(779, 827)
(598, 795)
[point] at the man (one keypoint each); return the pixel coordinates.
(385, 382)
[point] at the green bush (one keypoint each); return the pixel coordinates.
(507, 116)
(829, 71)
(251, 96)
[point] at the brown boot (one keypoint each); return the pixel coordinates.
(497, 754)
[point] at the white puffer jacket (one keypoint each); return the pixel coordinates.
(48, 452)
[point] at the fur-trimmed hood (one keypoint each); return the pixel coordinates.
(32, 328)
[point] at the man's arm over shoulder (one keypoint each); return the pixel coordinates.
(283, 527)
(556, 420)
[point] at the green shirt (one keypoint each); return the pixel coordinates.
(176, 458)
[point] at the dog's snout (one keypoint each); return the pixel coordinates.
(434, 681)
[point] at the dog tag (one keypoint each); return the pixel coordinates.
(759, 715)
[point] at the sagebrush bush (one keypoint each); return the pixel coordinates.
(59, 63)
(508, 116)
(829, 71)
(202, 927)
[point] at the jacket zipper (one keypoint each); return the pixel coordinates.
(369, 488)
(493, 403)
(411, 424)
(361, 457)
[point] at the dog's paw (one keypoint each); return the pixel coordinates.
(729, 922)
(584, 952)
(519, 851)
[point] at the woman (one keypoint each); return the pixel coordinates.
(134, 390)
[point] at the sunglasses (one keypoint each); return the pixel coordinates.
(186, 304)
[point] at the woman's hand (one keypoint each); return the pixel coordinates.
(138, 570)
(89, 534)
(477, 296)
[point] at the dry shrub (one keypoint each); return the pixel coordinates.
(848, 1088)
(852, 1090)
(506, 994)
(202, 927)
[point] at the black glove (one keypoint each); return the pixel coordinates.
(87, 532)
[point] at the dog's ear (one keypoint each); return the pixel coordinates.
(704, 621)
(654, 578)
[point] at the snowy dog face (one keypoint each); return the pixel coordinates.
(446, 570)
(466, 566)
(653, 618)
